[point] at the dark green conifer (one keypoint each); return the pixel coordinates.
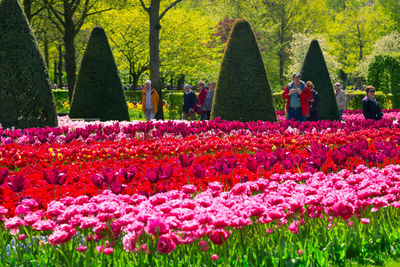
(243, 92)
(314, 69)
(98, 91)
(26, 99)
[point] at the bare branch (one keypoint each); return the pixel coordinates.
(144, 6)
(56, 13)
(168, 8)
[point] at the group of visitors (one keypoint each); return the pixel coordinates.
(303, 101)
(200, 104)
(191, 106)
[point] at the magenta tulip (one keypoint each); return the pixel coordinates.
(3, 175)
(186, 160)
(16, 183)
(198, 170)
(98, 180)
(252, 164)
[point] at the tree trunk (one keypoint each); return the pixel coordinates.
(46, 50)
(154, 42)
(60, 67)
(70, 62)
(55, 72)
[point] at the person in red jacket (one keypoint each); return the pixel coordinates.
(199, 107)
(297, 95)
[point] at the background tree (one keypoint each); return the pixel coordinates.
(155, 18)
(299, 48)
(68, 16)
(25, 95)
(32, 8)
(314, 69)
(355, 30)
(98, 92)
(243, 92)
(285, 17)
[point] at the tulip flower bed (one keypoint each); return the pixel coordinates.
(203, 193)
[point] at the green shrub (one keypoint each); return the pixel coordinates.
(384, 75)
(243, 92)
(314, 69)
(98, 91)
(25, 92)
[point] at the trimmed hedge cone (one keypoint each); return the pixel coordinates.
(98, 91)
(314, 69)
(26, 99)
(243, 92)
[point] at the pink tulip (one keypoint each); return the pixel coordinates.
(365, 220)
(22, 237)
(203, 245)
(81, 248)
(156, 226)
(293, 227)
(129, 241)
(165, 244)
(108, 251)
(214, 257)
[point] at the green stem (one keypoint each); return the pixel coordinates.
(55, 192)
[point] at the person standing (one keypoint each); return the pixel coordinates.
(150, 100)
(200, 100)
(341, 99)
(297, 95)
(313, 103)
(209, 98)
(189, 100)
(371, 108)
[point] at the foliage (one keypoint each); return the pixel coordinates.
(388, 44)
(25, 95)
(243, 92)
(384, 75)
(314, 69)
(299, 47)
(98, 92)
(354, 31)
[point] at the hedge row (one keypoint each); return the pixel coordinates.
(174, 100)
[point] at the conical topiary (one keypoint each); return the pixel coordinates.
(98, 91)
(314, 69)
(243, 92)
(26, 99)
